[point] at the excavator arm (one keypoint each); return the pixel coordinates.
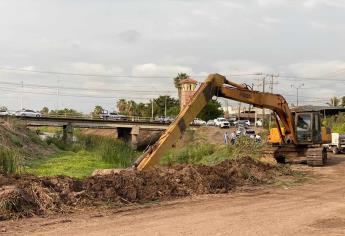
(217, 85)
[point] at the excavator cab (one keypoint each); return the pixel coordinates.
(308, 127)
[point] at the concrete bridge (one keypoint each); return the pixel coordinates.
(132, 132)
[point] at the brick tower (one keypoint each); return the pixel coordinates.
(188, 87)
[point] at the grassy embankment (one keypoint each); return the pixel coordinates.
(81, 158)
(198, 151)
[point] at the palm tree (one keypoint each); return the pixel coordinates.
(334, 102)
(177, 80)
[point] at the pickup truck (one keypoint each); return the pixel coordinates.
(337, 144)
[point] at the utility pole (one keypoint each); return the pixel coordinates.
(21, 95)
(299, 86)
(58, 94)
(165, 107)
(152, 109)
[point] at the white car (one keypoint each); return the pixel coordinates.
(4, 113)
(243, 122)
(222, 122)
(198, 121)
(28, 113)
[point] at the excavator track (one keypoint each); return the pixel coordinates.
(312, 156)
(316, 156)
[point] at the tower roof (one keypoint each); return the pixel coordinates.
(189, 80)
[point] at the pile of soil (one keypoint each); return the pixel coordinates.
(22, 196)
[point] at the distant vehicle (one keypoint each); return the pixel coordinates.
(248, 132)
(28, 113)
(259, 123)
(4, 113)
(337, 144)
(222, 122)
(163, 119)
(243, 122)
(198, 121)
(210, 123)
(112, 116)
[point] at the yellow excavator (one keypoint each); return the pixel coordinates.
(300, 142)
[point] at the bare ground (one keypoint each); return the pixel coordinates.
(313, 208)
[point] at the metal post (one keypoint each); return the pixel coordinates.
(152, 109)
(21, 95)
(165, 107)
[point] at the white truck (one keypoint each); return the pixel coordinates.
(338, 143)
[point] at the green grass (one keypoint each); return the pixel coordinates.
(74, 164)
(10, 160)
(210, 154)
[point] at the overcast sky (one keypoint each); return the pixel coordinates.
(292, 38)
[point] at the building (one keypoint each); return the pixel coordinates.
(188, 88)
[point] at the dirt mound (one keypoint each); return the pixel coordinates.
(28, 195)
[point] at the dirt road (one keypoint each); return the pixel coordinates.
(314, 208)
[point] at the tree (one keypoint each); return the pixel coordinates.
(343, 101)
(45, 110)
(334, 102)
(97, 111)
(66, 112)
(177, 80)
(161, 101)
(211, 111)
(3, 108)
(122, 106)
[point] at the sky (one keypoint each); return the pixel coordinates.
(300, 41)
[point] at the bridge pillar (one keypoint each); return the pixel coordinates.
(67, 134)
(134, 136)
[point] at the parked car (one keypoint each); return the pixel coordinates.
(4, 113)
(112, 116)
(28, 113)
(210, 123)
(222, 122)
(163, 119)
(243, 122)
(241, 130)
(198, 121)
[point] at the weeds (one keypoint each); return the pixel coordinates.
(10, 160)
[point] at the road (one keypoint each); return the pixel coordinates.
(313, 208)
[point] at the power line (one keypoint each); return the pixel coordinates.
(109, 75)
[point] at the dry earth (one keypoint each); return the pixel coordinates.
(313, 208)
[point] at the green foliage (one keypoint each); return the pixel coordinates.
(210, 154)
(74, 164)
(97, 111)
(66, 112)
(211, 111)
(334, 102)
(337, 123)
(110, 150)
(131, 108)
(10, 160)
(16, 140)
(45, 111)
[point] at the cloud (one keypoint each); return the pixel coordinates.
(92, 68)
(240, 67)
(152, 69)
(129, 36)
